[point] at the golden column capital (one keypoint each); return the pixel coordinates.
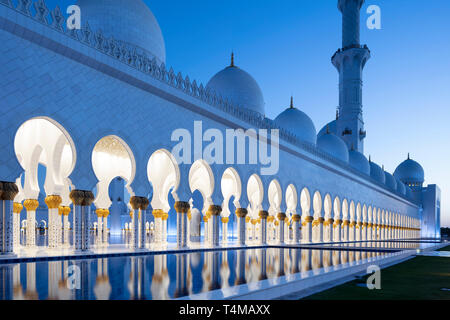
(247, 219)
(8, 190)
(346, 223)
(263, 214)
(17, 207)
(308, 219)
(241, 212)
(158, 213)
(270, 219)
(53, 202)
(102, 213)
(296, 218)
(215, 210)
(225, 220)
(81, 197)
(205, 219)
(31, 204)
(182, 207)
(165, 216)
(63, 211)
(281, 216)
(277, 223)
(139, 203)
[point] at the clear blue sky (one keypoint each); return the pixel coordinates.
(287, 45)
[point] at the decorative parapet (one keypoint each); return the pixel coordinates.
(140, 59)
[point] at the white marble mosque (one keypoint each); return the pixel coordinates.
(88, 121)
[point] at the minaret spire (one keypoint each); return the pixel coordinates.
(292, 102)
(232, 59)
(350, 124)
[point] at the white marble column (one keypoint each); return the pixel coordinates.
(31, 205)
(225, 221)
(105, 227)
(164, 218)
(99, 239)
(214, 211)
(281, 220)
(318, 223)
(182, 209)
(307, 229)
(337, 230)
(8, 192)
(143, 218)
(157, 214)
(64, 211)
(329, 225)
(53, 202)
(17, 209)
(241, 214)
(296, 226)
(263, 228)
(345, 230)
(82, 201)
(359, 230)
(135, 203)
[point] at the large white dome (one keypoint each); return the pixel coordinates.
(239, 87)
(129, 21)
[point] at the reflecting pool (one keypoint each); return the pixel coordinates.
(163, 276)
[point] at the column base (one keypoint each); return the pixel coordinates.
(78, 251)
(5, 255)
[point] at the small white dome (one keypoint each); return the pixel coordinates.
(377, 173)
(334, 146)
(298, 123)
(391, 183)
(359, 162)
(400, 187)
(239, 87)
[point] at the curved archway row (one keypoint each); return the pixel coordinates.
(226, 200)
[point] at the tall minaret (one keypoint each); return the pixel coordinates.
(350, 62)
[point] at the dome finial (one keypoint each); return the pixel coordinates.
(337, 114)
(408, 156)
(370, 158)
(382, 167)
(232, 59)
(292, 102)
